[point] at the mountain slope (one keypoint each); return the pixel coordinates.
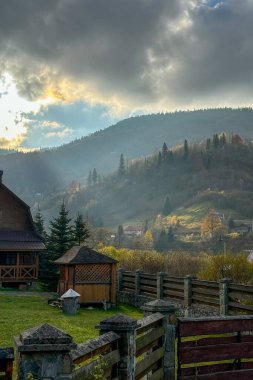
(51, 170)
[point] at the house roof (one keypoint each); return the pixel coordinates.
(20, 240)
(84, 255)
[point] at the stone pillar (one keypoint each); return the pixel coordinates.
(224, 299)
(188, 290)
(168, 310)
(43, 353)
(125, 327)
(120, 279)
(159, 282)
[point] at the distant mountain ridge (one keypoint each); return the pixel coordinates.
(49, 171)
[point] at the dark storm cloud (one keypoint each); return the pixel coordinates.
(142, 50)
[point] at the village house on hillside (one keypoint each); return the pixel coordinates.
(19, 243)
(133, 231)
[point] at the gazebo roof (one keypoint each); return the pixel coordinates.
(84, 255)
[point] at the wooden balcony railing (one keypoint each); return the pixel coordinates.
(20, 272)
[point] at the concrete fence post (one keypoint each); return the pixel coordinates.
(224, 299)
(188, 290)
(168, 310)
(137, 282)
(125, 327)
(159, 284)
(120, 279)
(43, 352)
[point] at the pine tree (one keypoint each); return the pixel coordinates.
(164, 152)
(122, 167)
(161, 244)
(186, 149)
(170, 235)
(39, 224)
(60, 239)
(167, 207)
(81, 232)
(89, 181)
(145, 226)
(94, 176)
(120, 234)
(216, 141)
(208, 144)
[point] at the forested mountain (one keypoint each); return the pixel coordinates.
(217, 173)
(38, 175)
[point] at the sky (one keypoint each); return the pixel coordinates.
(71, 67)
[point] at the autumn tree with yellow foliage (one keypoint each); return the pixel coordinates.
(212, 225)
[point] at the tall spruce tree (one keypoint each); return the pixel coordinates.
(60, 239)
(170, 235)
(89, 180)
(164, 152)
(167, 208)
(81, 231)
(122, 167)
(161, 244)
(38, 222)
(94, 176)
(186, 149)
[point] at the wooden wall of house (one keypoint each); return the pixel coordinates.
(14, 215)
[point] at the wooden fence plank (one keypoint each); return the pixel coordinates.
(145, 340)
(145, 365)
(149, 322)
(220, 352)
(148, 289)
(157, 375)
(93, 347)
(231, 375)
(214, 325)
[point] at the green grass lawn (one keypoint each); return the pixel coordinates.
(18, 314)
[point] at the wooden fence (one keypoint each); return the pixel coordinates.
(215, 348)
(225, 296)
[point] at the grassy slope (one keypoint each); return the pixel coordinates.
(18, 314)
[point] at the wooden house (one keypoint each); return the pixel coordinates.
(19, 243)
(89, 273)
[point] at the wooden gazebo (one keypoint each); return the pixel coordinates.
(89, 273)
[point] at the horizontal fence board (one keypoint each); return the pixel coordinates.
(241, 288)
(107, 361)
(128, 290)
(145, 340)
(208, 284)
(239, 306)
(148, 295)
(93, 347)
(144, 366)
(179, 280)
(173, 293)
(148, 282)
(212, 368)
(217, 340)
(128, 285)
(206, 291)
(205, 300)
(214, 325)
(210, 353)
(148, 289)
(128, 279)
(246, 374)
(128, 273)
(148, 276)
(149, 322)
(173, 286)
(157, 375)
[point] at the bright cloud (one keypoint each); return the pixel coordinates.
(118, 58)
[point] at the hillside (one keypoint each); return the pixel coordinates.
(35, 176)
(195, 178)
